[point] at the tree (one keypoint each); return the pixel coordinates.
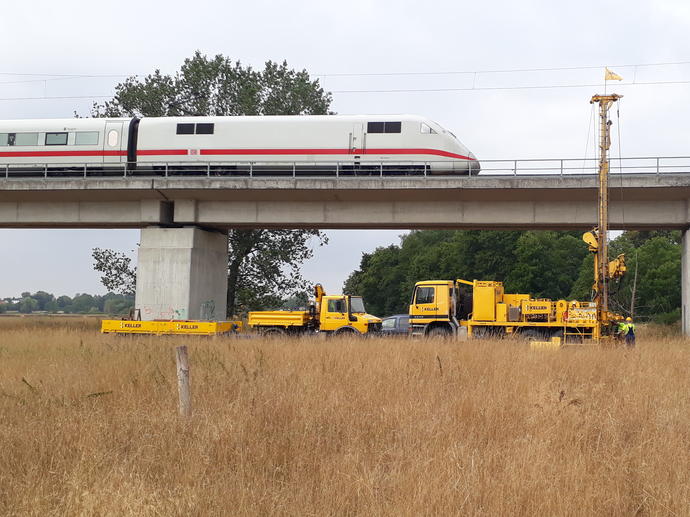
(263, 265)
(118, 274)
(28, 305)
(83, 303)
(546, 264)
(43, 300)
(63, 302)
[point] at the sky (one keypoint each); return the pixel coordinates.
(498, 107)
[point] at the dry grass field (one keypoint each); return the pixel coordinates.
(89, 426)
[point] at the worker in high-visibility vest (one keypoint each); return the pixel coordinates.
(626, 329)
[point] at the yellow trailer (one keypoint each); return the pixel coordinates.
(171, 327)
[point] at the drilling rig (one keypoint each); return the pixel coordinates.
(597, 239)
(440, 308)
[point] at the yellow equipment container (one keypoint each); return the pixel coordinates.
(160, 328)
(553, 344)
(278, 318)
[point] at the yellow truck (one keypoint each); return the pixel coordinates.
(483, 308)
(336, 314)
(442, 307)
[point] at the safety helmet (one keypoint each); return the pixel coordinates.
(628, 318)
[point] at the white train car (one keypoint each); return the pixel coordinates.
(329, 144)
(63, 143)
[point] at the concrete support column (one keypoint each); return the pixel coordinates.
(182, 274)
(685, 282)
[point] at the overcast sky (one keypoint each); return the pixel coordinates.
(124, 38)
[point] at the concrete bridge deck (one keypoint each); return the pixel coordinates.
(638, 201)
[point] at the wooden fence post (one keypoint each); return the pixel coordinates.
(183, 381)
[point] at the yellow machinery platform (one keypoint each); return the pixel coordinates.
(171, 327)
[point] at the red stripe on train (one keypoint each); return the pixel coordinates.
(234, 152)
(293, 152)
(162, 152)
(33, 154)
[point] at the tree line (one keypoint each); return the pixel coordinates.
(545, 264)
(43, 302)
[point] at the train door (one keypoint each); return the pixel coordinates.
(357, 142)
(356, 146)
(113, 142)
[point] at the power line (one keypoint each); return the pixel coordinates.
(55, 98)
(24, 81)
(20, 74)
(401, 90)
(496, 88)
(367, 74)
(500, 71)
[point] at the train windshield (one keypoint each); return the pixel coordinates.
(427, 129)
(357, 304)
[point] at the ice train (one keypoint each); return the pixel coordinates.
(274, 145)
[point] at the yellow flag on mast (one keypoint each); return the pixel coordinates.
(611, 76)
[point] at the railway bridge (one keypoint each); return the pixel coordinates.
(183, 250)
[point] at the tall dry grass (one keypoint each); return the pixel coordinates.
(89, 425)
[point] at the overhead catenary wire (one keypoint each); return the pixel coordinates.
(67, 78)
(421, 90)
(62, 97)
(365, 74)
(32, 77)
(498, 88)
(499, 71)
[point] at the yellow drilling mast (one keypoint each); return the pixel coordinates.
(598, 238)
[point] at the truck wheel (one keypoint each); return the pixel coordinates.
(438, 332)
(533, 334)
(273, 332)
(345, 332)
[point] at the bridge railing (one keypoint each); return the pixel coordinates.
(526, 167)
(587, 166)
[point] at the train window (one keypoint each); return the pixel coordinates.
(426, 129)
(383, 127)
(86, 138)
(375, 127)
(56, 138)
(3, 139)
(392, 127)
(185, 129)
(112, 138)
(204, 129)
(26, 139)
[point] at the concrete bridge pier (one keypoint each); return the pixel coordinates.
(182, 274)
(685, 282)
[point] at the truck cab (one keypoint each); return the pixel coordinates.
(433, 308)
(346, 313)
